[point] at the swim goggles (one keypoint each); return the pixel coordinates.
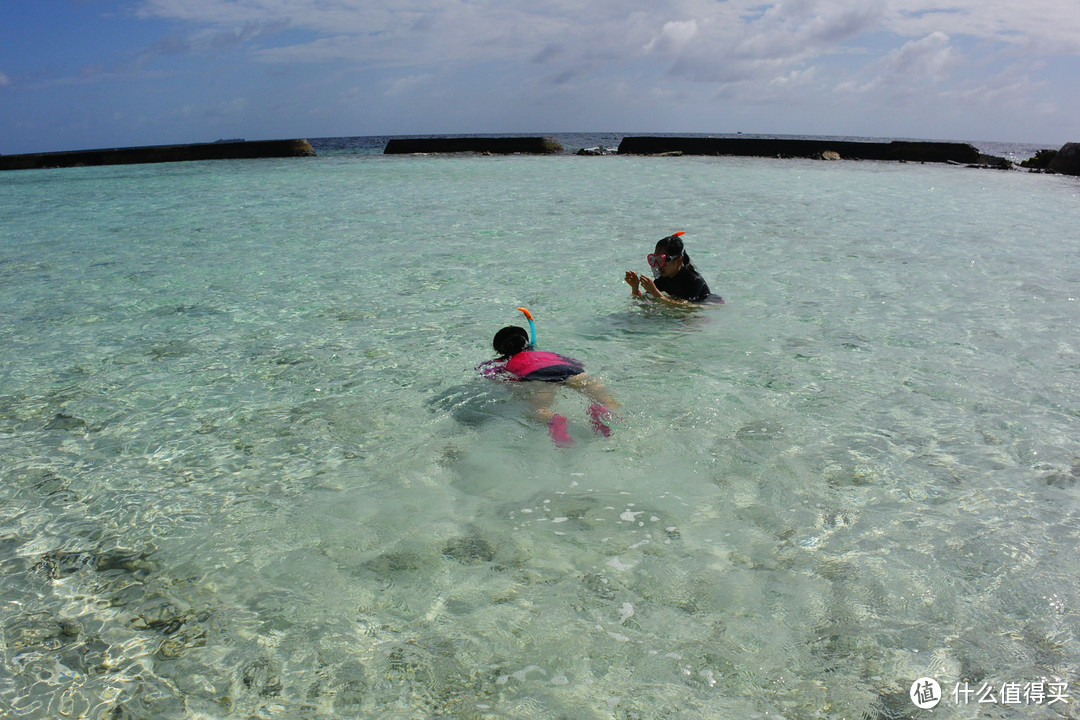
(657, 261)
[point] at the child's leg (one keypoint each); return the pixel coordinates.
(542, 398)
(603, 402)
(594, 388)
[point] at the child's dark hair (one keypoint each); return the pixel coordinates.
(672, 246)
(510, 340)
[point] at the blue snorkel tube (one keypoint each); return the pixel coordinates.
(532, 327)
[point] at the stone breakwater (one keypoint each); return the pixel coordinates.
(912, 151)
(921, 151)
(225, 150)
(490, 145)
(1065, 161)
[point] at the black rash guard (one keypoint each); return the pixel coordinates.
(687, 284)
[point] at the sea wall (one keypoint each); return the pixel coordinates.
(493, 145)
(228, 150)
(899, 150)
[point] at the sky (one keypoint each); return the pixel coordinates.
(80, 74)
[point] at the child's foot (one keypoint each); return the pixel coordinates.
(601, 416)
(560, 435)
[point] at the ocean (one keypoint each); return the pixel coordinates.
(249, 469)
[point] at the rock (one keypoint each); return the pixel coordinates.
(993, 162)
(62, 563)
(599, 150)
(1041, 161)
(63, 421)
(1067, 160)
(483, 145)
(261, 676)
(470, 549)
(164, 618)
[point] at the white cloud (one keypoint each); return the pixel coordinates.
(795, 78)
(759, 47)
(674, 36)
(701, 39)
(697, 50)
(927, 58)
(915, 64)
(1052, 25)
(405, 85)
(4, 80)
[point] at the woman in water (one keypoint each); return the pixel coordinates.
(677, 281)
(519, 361)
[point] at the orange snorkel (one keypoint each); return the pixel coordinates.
(532, 327)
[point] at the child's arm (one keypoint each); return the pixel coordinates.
(494, 369)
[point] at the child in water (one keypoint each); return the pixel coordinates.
(675, 280)
(518, 361)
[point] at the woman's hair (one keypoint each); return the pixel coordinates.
(510, 340)
(672, 246)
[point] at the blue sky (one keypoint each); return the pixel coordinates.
(108, 73)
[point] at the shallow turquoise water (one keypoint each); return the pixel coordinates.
(249, 470)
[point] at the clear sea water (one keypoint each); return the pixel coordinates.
(248, 468)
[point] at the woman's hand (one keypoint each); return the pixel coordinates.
(637, 282)
(649, 285)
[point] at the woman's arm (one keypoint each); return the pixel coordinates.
(654, 292)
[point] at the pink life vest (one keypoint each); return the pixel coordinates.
(527, 362)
